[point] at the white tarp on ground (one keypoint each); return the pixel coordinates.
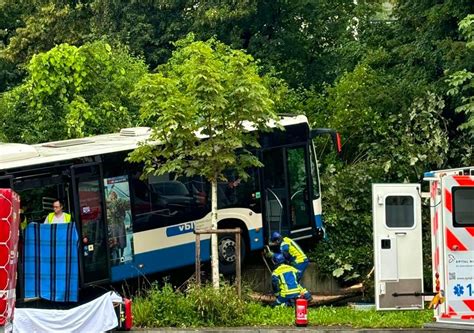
(95, 316)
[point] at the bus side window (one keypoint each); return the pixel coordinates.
(142, 207)
(236, 192)
(165, 200)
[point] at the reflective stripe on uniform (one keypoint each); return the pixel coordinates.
(23, 224)
(288, 280)
(297, 255)
(67, 217)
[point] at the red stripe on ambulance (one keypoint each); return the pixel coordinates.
(448, 202)
(434, 188)
(453, 243)
(470, 230)
(451, 313)
(469, 303)
(464, 180)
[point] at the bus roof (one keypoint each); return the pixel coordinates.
(14, 155)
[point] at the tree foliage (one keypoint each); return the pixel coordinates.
(389, 75)
(199, 105)
(49, 24)
(303, 39)
(208, 89)
(395, 118)
(387, 140)
(462, 82)
(72, 92)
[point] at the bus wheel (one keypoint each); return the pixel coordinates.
(227, 250)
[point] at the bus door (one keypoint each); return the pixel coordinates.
(275, 191)
(300, 212)
(287, 206)
(89, 211)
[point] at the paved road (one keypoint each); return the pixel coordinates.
(436, 328)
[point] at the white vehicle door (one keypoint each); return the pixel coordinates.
(458, 247)
(398, 255)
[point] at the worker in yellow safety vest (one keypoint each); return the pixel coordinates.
(58, 216)
(285, 282)
(290, 251)
(23, 220)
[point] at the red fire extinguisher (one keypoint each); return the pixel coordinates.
(128, 322)
(301, 311)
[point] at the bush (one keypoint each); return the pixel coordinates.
(206, 307)
(163, 307)
(217, 307)
(199, 306)
(347, 253)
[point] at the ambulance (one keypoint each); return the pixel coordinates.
(398, 255)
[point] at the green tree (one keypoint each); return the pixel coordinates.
(309, 41)
(422, 46)
(462, 82)
(72, 92)
(11, 15)
(301, 38)
(394, 116)
(388, 136)
(198, 104)
(44, 24)
(147, 27)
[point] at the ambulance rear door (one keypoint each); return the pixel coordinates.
(458, 270)
(398, 255)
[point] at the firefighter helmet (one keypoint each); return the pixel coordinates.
(278, 259)
(276, 237)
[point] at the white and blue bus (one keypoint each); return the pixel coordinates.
(130, 227)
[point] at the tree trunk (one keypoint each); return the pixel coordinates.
(214, 249)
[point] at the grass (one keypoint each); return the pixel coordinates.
(345, 316)
(204, 307)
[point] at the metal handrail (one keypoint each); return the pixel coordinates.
(281, 211)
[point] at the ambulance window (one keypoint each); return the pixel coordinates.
(463, 203)
(399, 212)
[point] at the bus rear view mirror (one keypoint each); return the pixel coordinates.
(336, 138)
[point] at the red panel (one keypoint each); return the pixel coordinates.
(3, 279)
(469, 303)
(434, 187)
(4, 255)
(464, 180)
(3, 311)
(9, 223)
(435, 223)
(453, 243)
(4, 232)
(448, 201)
(467, 317)
(470, 230)
(5, 206)
(452, 312)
